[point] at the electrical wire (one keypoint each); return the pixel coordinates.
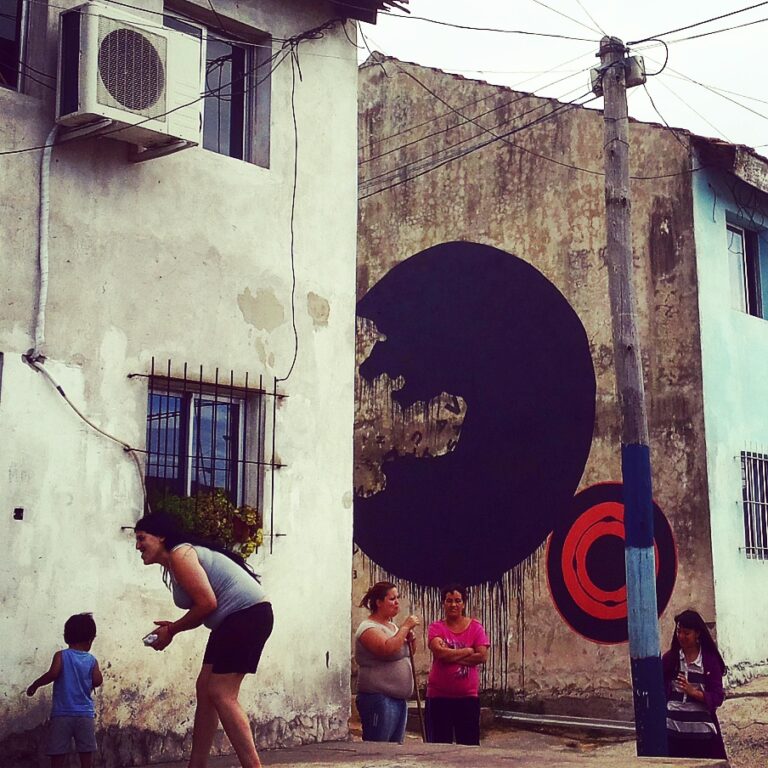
(282, 54)
(442, 150)
(513, 87)
(129, 449)
(591, 18)
(495, 30)
(465, 119)
(718, 31)
(697, 24)
(565, 16)
(435, 166)
(294, 68)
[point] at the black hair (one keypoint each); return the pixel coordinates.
(692, 620)
(80, 628)
(448, 588)
(377, 592)
(169, 528)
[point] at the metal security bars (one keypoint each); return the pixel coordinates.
(754, 487)
(208, 433)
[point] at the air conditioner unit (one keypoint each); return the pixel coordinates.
(128, 78)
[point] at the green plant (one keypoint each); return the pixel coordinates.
(213, 516)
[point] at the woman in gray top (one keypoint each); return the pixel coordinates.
(384, 677)
(218, 589)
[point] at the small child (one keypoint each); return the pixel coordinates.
(74, 673)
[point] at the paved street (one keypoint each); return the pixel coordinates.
(744, 718)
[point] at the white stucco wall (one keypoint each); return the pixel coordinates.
(185, 257)
(735, 382)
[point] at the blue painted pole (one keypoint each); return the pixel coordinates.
(642, 611)
(644, 651)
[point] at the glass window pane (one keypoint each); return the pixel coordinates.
(10, 36)
(737, 268)
(215, 447)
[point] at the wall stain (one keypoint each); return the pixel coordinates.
(262, 311)
(318, 308)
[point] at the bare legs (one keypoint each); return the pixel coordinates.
(217, 700)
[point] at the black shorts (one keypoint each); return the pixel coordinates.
(236, 644)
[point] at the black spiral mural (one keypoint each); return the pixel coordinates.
(483, 325)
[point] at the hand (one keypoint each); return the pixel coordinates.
(164, 635)
(411, 622)
(31, 690)
(686, 687)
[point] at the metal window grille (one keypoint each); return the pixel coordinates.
(207, 433)
(754, 487)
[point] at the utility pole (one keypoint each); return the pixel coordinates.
(642, 615)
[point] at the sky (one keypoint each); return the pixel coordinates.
(729, 99)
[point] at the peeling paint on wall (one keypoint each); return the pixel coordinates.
(263, 311)
(318, 308)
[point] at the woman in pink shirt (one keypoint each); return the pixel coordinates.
(459, 646)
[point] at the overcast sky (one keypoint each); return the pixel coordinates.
(731, 62)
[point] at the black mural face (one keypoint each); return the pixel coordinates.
(476, 322)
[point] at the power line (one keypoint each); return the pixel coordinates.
(314, 33)
(698, 23)
(465, 119)
(565, 16)
(496, 30)
(481, 145)
(442, 150)
(718, 31)
(513, 87)
(591, 18)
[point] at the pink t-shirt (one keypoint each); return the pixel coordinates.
(453, 681)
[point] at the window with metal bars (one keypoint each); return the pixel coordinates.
(203, 436)
(754, 487)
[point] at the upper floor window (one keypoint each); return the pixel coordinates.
(754, 489)
(236, 85)
(10, 42)
(745, 272)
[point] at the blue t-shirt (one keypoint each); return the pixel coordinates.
(72, 688)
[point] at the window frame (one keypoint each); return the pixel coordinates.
(16, 49)
(184, 461)
(747, 295)
(754, 491)
(207, 26)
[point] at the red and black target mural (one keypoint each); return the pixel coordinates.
(473, 322)
(585, 563)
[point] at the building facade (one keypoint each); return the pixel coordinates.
(484, 207)
(199, 309)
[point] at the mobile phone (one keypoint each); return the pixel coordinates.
(149, 639)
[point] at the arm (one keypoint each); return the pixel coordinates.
(380, 645)
(52, 674)
(189, 574)
(96, 677)
(477, 658)
(441, 652)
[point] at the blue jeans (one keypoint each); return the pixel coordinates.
(383, 717)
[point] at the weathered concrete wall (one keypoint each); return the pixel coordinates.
(735, 371)
(186, 257)
(530, 199)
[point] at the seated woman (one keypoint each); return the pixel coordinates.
(384, 677)
(693, 678)
(459, 646)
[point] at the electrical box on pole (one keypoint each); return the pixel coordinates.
(642, 614)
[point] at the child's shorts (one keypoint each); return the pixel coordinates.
(63, 729)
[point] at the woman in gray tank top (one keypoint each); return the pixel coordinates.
(384, 676)
(216, 588)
